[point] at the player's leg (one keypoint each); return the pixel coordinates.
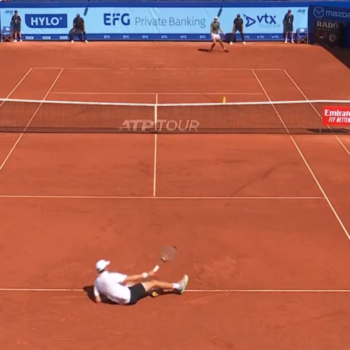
(20, 35)
(179, 286)
(84, 36)
(214, 43)
(286, 37)
(222, 45)
(141, 290)
(15, 35)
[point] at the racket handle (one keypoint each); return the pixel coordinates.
(156, 268)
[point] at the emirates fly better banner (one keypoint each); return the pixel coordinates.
(333, 116)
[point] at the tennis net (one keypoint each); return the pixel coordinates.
(35, 116)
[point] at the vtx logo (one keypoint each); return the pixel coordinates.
(264, 19)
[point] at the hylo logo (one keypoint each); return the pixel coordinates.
(264, 21)
(318, 12)
(46, 21)
(110, 19)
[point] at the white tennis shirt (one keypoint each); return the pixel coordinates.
(110, 285)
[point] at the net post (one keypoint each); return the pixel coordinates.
(156, 114)
(320, 125)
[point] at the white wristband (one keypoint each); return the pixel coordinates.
(145, 275)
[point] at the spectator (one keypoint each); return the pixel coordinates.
(16, 26)
(78, 28)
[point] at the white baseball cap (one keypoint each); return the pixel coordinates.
(102, 264)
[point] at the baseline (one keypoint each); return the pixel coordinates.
(164, 68)
(158, 198)
(203, 291)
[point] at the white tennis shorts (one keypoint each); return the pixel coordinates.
(216, 36)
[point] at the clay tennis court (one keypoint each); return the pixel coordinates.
(260, 221)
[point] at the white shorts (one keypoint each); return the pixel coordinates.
(216, 36)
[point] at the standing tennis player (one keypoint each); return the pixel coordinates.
(215, 31)
(128, 290)
(288, 26)
(238, 26)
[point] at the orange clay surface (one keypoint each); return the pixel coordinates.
(261, 222)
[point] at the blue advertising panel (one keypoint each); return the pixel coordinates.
(317, 13)
(152, 23)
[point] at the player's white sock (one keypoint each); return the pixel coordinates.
(176, 286)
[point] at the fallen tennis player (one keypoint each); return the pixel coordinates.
(215, 31)
(128, 290)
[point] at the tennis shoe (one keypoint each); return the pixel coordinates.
(183, 284)
(86, 41)
(243, 42)
(231, 43)
(15, 41)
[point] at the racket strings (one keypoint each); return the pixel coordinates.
(168, 253)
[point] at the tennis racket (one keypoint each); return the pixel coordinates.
(167, 253)
(222, 5)
(87, 8)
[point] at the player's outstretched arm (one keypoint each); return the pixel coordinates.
(138, 278)
(97, 295)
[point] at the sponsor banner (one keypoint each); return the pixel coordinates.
(336, 116)
(264, 22)
(151, 37)
(321, 17)
(330, 34)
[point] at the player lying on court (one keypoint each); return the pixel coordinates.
(215, 31)
(128, 290)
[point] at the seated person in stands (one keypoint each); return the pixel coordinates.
(78, 29)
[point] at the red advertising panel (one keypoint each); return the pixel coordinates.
(339, 116)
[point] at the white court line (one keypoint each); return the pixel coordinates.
(155, 148)
(26, 127)
(157, 93)
(202, 291)
(80, 68)
(9, 196)
(263, 89)
(13, 90)
(307, 165)
(161, 69)
(316, 111)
